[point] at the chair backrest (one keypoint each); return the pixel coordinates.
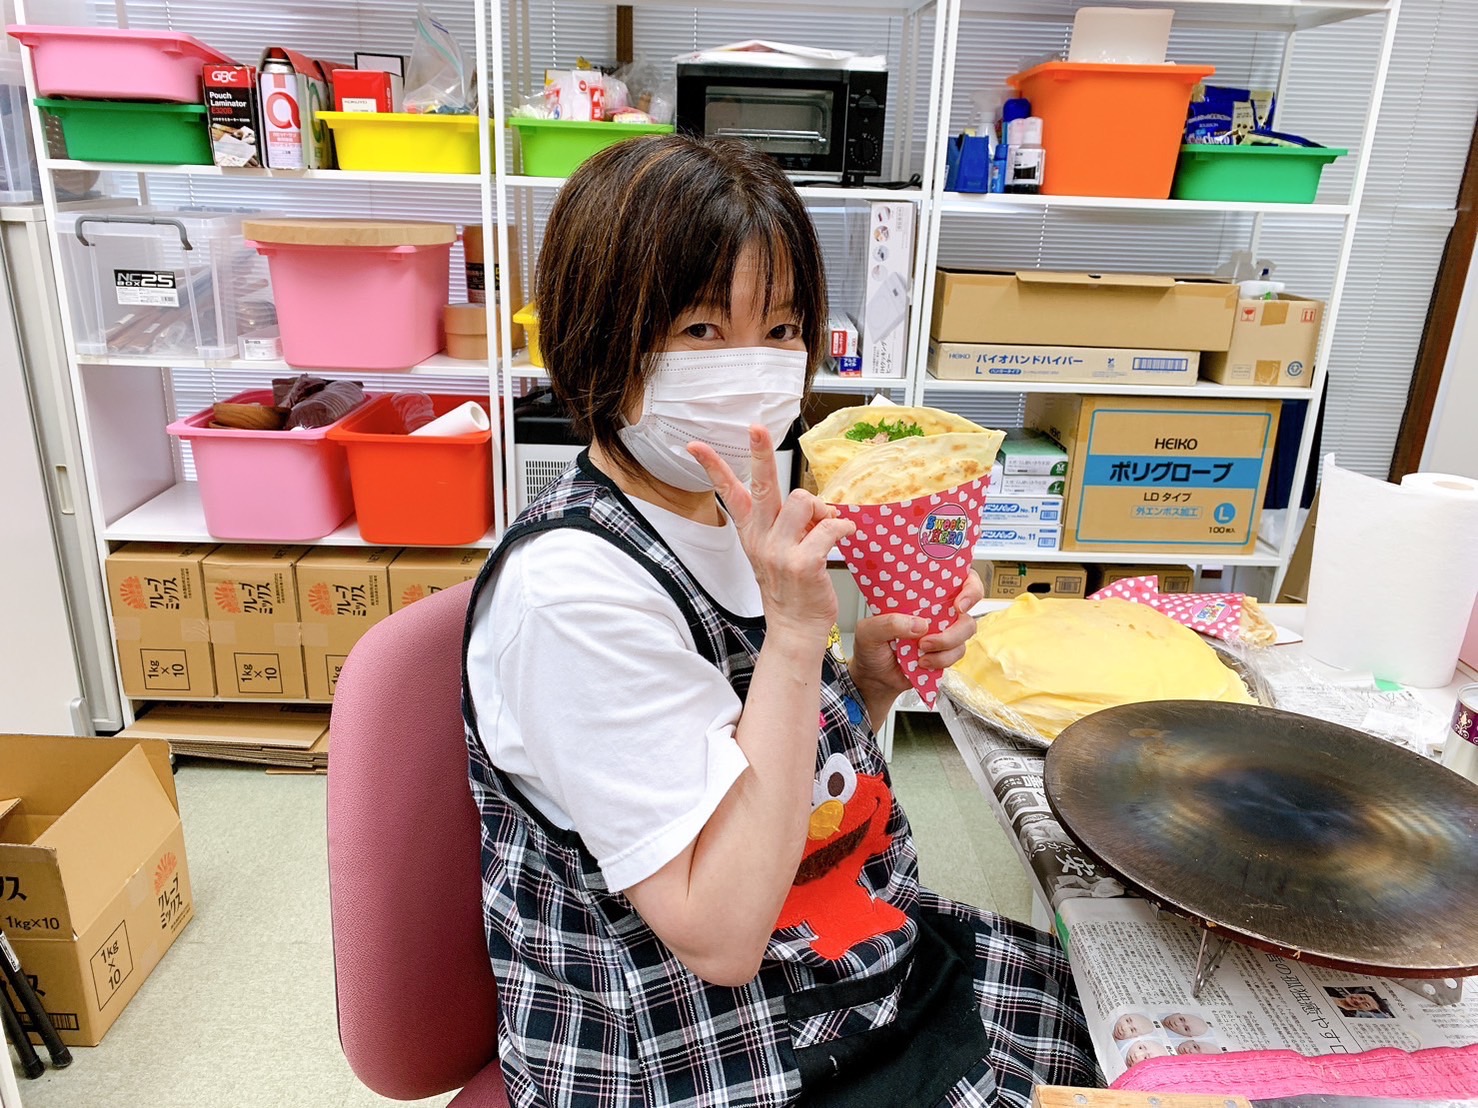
(416, 998)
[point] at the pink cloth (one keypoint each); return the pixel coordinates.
(1434, 1074)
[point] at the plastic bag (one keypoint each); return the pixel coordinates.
(438, 79)
(651, 88)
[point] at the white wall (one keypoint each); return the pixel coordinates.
(1452, 439)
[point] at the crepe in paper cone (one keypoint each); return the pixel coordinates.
(912, 556)
(846, 433)
(1231, 616)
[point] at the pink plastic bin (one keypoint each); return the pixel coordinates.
(267, 486)
(108, 63)
(358, 307)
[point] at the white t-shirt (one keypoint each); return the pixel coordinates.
(591, 695)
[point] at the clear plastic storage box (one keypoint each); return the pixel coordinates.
(17, 153)
(160, 284)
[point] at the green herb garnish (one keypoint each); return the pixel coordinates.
(883, 431)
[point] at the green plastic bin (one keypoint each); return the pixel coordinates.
(554, 147)
(1266, 174)
(118, 131)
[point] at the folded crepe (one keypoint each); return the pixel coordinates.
(887, 454)
(845, 434)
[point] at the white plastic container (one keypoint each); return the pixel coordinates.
(161, 284)
(1121, 36)
(17, 152)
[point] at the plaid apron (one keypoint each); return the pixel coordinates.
(873, 990)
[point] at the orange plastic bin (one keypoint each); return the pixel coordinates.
(1110, 130)
(417, 490)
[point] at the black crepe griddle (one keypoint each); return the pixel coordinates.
(1287, 833)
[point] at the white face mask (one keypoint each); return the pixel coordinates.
(713, 396)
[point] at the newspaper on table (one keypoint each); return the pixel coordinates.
(1134, 968)
(1134, 971)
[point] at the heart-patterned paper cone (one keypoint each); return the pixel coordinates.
(1216, 614)
(913, 556)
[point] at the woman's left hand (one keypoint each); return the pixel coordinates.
(874, 666)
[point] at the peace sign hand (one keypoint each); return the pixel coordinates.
(787, 539)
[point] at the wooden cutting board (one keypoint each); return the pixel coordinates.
(348, 232)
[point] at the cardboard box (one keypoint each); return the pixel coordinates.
(887, 261)
(1031, 453)
(416, 574)
(272, 726)
(1034, 306)
(1020, 536)
(157, 596)
(1161, 473)
(1006, 580)
(368, 90)
(1029, 511)
(1273, 344)
(232, 112)
(293, 137)
(94, 886)
(1295, 589)
(252, 602)
(1004, 485)
(344, 592)
(1173, 579)
(981, 361)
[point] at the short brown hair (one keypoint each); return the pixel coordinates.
(640, 233)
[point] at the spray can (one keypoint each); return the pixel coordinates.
(1460, 751)
(282, 114)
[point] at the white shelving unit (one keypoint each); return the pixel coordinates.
(1273, 17)
(134, 479)
(514, 189)
(136, 487)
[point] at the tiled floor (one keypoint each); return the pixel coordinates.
(241, 1011)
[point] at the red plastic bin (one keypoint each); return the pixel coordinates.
(1110, 130)
(418, 490)
(267, 486)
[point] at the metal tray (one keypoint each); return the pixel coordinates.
(1261, 691)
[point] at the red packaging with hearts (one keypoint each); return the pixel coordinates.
(1216, 614)
(913, 556)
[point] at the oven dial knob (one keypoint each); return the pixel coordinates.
(865, 150)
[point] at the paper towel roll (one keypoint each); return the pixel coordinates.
(465, 420)
(1394, 574)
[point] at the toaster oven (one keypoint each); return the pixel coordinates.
(816, 121)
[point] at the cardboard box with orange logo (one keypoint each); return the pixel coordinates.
(252, 600)
(157, 597)
(94, 886)
(343, 592)
(1273, 344)
(417, 573)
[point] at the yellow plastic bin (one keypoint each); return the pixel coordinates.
(404, 142)
(528, 315)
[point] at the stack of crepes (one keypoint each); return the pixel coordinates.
(914, 482)
(1041, 664)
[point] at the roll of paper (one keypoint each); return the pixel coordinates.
(468, 419)
(1394, 574)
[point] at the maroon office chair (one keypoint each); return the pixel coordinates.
(416, 998)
